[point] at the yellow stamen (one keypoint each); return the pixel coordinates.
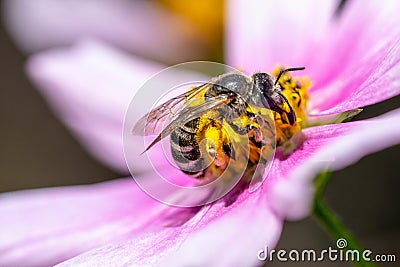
(295, 90)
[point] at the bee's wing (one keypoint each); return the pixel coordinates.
(152, 122)
(189, 113)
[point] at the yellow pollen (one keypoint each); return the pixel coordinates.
(295, 89)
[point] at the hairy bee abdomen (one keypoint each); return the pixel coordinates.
(186, 151)
(196, 158)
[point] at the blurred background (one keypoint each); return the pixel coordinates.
(37, 150)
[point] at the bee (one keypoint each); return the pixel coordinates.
(205, 122)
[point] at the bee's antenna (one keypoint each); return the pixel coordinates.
(286, 70)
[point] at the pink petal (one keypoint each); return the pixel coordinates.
(353, 60)
(63, 222)
(240, 236)
(357, 39)
(329, 147)
(46, 226)
(316, 139)
(364, 68)
(90, 86)
(374, 79)
(216, 236)
(138, 26)
(263, 34)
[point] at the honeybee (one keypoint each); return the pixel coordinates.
(205, 122)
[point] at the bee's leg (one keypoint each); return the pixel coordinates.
(258, 137)
(229, 150)
(259, 125)
(255, 123)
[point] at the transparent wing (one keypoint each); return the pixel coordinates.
(189, 113)
(152, 122)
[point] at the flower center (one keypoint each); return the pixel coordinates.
(295, 90)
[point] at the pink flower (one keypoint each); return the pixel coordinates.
(352, 61)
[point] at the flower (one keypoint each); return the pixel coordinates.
(125, 226)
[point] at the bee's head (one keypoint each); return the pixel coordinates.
(271, 95)
(263, 82)
(264, 85)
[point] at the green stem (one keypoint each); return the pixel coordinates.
(331, 222)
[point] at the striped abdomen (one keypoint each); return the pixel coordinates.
(200, 148)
